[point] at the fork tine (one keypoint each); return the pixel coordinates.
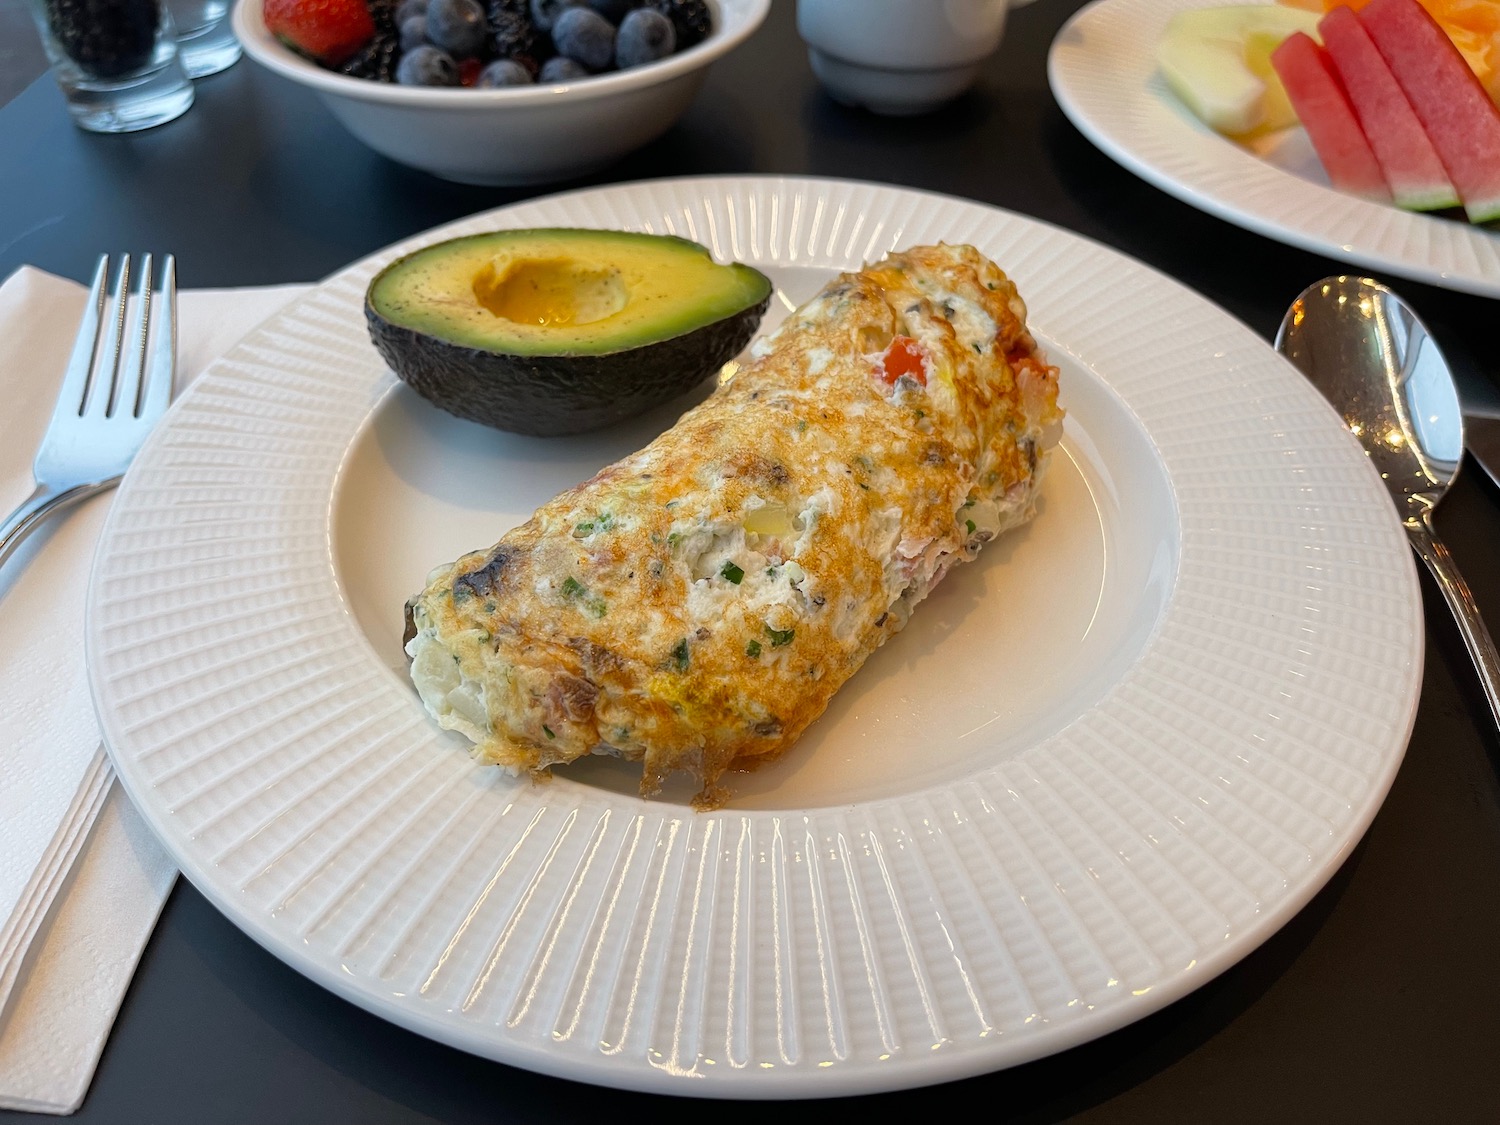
(163, 363)
(107, 358)
(106, 408)
(73, 394)
(127, 397)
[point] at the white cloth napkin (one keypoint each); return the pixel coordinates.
(81, 877)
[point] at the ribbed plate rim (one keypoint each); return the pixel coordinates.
(978, 1054)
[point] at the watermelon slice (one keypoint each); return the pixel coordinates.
(1324, 108)
(1406, 156)
(1449, 101)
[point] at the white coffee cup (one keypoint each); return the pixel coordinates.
(900, 56)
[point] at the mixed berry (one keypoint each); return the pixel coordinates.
(486, 43)
(105, 38)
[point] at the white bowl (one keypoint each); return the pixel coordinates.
(518, 135)
(900, 57)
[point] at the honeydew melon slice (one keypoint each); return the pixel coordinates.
(1452, 105)
(1406, 156)
(1216, 60)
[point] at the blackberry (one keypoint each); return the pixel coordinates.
(106, 38)
(377, 59)
(689, 17)
(383, 12)
(515, 35)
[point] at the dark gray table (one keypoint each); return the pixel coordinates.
(1380, 1002)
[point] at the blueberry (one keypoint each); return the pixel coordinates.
(560, 68)
(457, 26)
(585, 36)
(413, 32)
(645, 36)
(690, 18)
(408, 8)
(427, 66)
(614, 10)
(503, 72)
(544, 13)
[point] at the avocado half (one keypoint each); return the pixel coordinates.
(562, 330)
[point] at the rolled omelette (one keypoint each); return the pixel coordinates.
(694, 606)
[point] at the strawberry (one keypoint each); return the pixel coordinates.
(326, 31)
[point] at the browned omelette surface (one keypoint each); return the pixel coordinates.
(696, 605)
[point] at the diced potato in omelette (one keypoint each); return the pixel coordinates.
(696, 605)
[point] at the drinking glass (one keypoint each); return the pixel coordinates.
(115, 61)
(205, 39)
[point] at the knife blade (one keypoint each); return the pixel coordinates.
(1482, 439)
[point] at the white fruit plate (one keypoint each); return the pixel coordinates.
(1102, 68)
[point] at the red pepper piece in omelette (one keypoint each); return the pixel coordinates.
(904, 357)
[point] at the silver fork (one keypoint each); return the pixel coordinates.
(117, 385)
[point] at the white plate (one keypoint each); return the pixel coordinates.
(1101, 765)
(1103, 72)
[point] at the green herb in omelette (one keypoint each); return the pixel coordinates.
(577, 591)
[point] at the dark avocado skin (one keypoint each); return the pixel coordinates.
(546, 396)
(563, 377)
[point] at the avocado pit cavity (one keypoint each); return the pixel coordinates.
(551, 292)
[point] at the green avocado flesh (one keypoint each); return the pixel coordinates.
(560, 330)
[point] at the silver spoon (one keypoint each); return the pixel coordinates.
(1364, 348)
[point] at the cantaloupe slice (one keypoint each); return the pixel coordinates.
(1474, 28)
(1408, 160)
(1326, 114)
(1454, 109)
